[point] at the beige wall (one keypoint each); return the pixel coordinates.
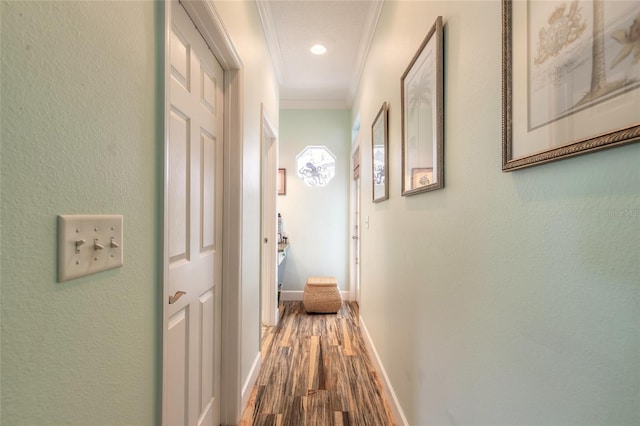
(505, 298)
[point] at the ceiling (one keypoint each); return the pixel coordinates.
(292, 27)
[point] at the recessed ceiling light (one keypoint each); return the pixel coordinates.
(318, 49)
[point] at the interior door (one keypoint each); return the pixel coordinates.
(356, 239)
(193, 217)
(269, 267)
(355, 226)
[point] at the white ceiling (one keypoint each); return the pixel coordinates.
(345, 27)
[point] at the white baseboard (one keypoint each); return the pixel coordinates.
(289, 295)
(398, 414)
(286, 295)
(247, 387)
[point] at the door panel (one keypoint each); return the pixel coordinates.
(208, 192)
(178, 177)
(194, 220)
(177, 358)
(207, 325)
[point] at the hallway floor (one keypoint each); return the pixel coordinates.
(316, 371)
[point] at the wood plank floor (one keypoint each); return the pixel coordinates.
(316, 371)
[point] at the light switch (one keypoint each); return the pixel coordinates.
(88, 244)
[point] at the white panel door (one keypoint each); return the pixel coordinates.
(193, 250)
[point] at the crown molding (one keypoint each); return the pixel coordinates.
(368, 32)
(269, 29)
(271, 36)
(314, 104)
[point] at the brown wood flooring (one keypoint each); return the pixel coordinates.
(316, 371)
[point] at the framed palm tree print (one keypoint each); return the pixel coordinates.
(423, 116)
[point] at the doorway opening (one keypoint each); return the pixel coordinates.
(354, 219)
(269, 206)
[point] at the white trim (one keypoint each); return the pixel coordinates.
(269, 29)
(314, 104)
(396, 409)
(268, 227)
(289, 295)
(296, 295)
(209, 24)
(230, 406)
(247, 388)
(207, 20)
(353, 205)
(368, 33)
(165, 199)
(273, 43)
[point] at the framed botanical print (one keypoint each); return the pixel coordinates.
(421, 176)
(571, 78)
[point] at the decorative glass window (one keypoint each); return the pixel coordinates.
(316, 165)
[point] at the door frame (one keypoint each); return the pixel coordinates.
(268, 227)
(355, 206)
(208, 22)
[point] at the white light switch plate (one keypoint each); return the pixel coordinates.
(88, 244)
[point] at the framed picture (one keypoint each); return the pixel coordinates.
(316, 165)
(423, 115)
(421, 177)
(380, 155)
(571, 78)
(282, 181)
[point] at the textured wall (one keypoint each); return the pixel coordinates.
(506, 298)
(78, 136)
(316, 218)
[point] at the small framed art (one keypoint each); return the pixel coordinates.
(380, 155)
(421, 177)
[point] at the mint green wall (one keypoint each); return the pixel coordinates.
(506, 298)
(316, 218)
(79, 135)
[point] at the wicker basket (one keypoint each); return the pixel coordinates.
(321, 295)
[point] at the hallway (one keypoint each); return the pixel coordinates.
(316, 371)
